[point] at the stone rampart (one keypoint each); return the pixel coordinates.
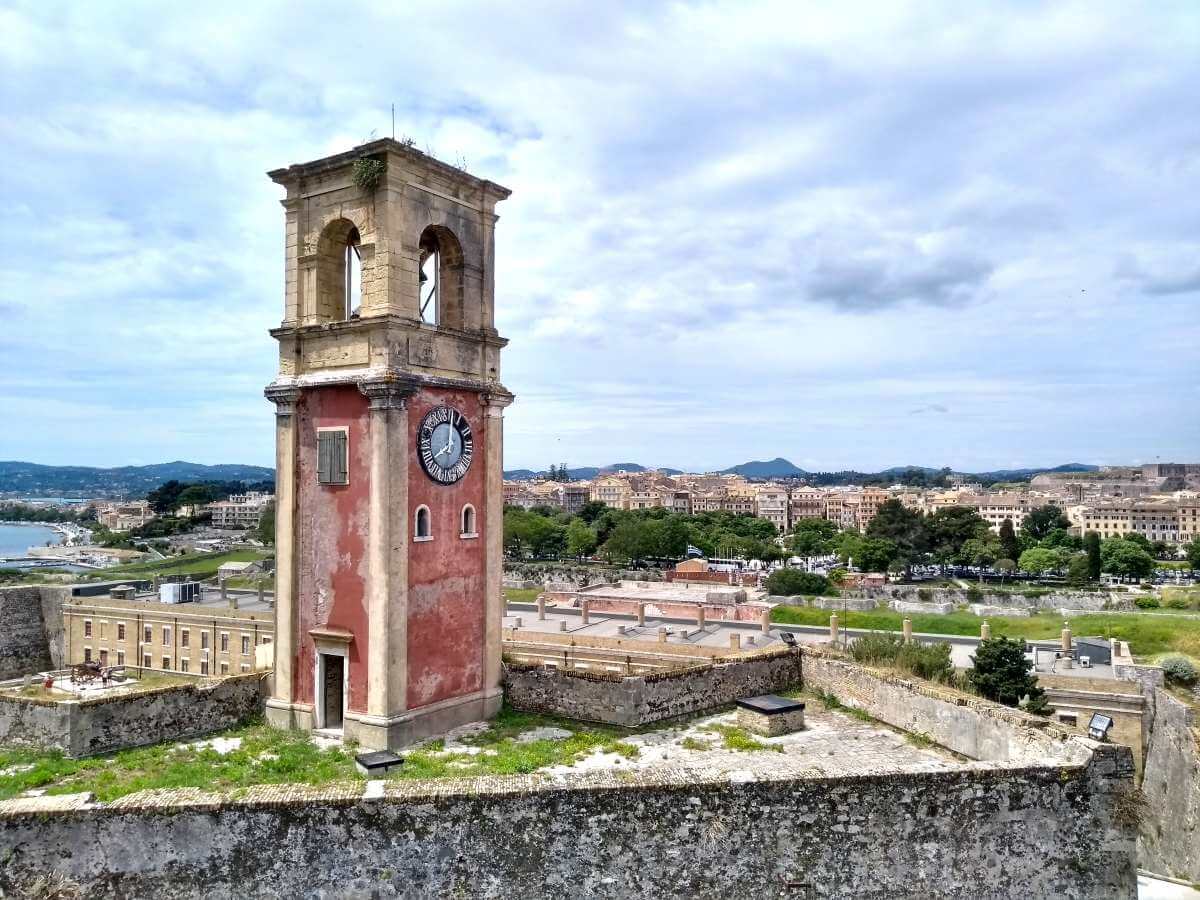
(634, 700)
(1037, 831)
(31, 629)
(966, 724)
(103, 724)
(1169, 840)
(574, 577)
(1046, 598)
(906, 606)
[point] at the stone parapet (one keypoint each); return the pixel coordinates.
(1036, 831)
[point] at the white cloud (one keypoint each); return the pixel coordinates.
(735, 230)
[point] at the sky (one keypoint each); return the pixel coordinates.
(855, 235)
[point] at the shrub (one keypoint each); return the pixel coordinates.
(1180, 670)
(789, 582)
(925, 595)
(929, 661)
(1145, 602)
(366, 173)
(876, 647)
(1176, 603)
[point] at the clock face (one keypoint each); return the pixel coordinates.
(445, 444)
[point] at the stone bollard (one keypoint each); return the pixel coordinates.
(662, 635)
(562, 624)
(262, 592)
(700, 616)
(908, 631)
(750, 641)
(541, 602)
(620, 629)
(765, 621)
(833, 627)
(584, 612)
(233, 601)
(985, 631)
(224, 591)
(517, 622)
(642, 614)
(735, 641)
(1068, 662)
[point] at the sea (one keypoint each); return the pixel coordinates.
(15, 540)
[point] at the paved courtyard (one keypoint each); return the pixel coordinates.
(831, 744)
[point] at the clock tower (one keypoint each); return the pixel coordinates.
(389, 437)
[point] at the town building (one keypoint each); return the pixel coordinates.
(125, 516)
(805, 503)
(389, 449)
(240, 510)
(220, 634)
(771, 503)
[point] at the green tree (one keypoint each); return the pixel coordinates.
(1140, 539)
(1004, 566)
(1060, 538)
(1193, 553)
(581, 540)
(951, 527)
(627, 542)
(980, 551)
(1010, 547)
(904, 527)
(1091, 546)
(165, 497)
(592, 510)
(789, 582)
(1040, 560)
(266, 524)
(813, 537)
(1041, 521)
(1003, 674)
(1078, 570)
(1125, 558)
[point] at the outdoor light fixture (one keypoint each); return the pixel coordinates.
(1099, 727)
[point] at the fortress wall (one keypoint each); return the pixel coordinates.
(1019, 833)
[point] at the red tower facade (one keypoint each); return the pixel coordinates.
(389, 437)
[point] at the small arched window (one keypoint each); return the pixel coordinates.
(468, 522)
(422, 527)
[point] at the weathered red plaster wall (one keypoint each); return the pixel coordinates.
(446, 575)
(332, 537)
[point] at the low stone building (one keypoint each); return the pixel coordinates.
(216, 636)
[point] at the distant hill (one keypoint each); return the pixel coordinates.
(782, 468)
(773, 468)
(30, 479)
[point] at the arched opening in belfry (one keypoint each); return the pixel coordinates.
(339, 273)
(440, 278)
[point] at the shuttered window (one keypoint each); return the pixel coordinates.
(331, 457)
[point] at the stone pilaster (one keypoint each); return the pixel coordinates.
(493, 534)
(387, 548)
(285, 398)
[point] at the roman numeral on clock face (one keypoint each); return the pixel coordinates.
(445, 444)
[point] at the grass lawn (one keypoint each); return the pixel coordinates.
(521, 595)
(1148, 635)
(269, 756)
(200, 565)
